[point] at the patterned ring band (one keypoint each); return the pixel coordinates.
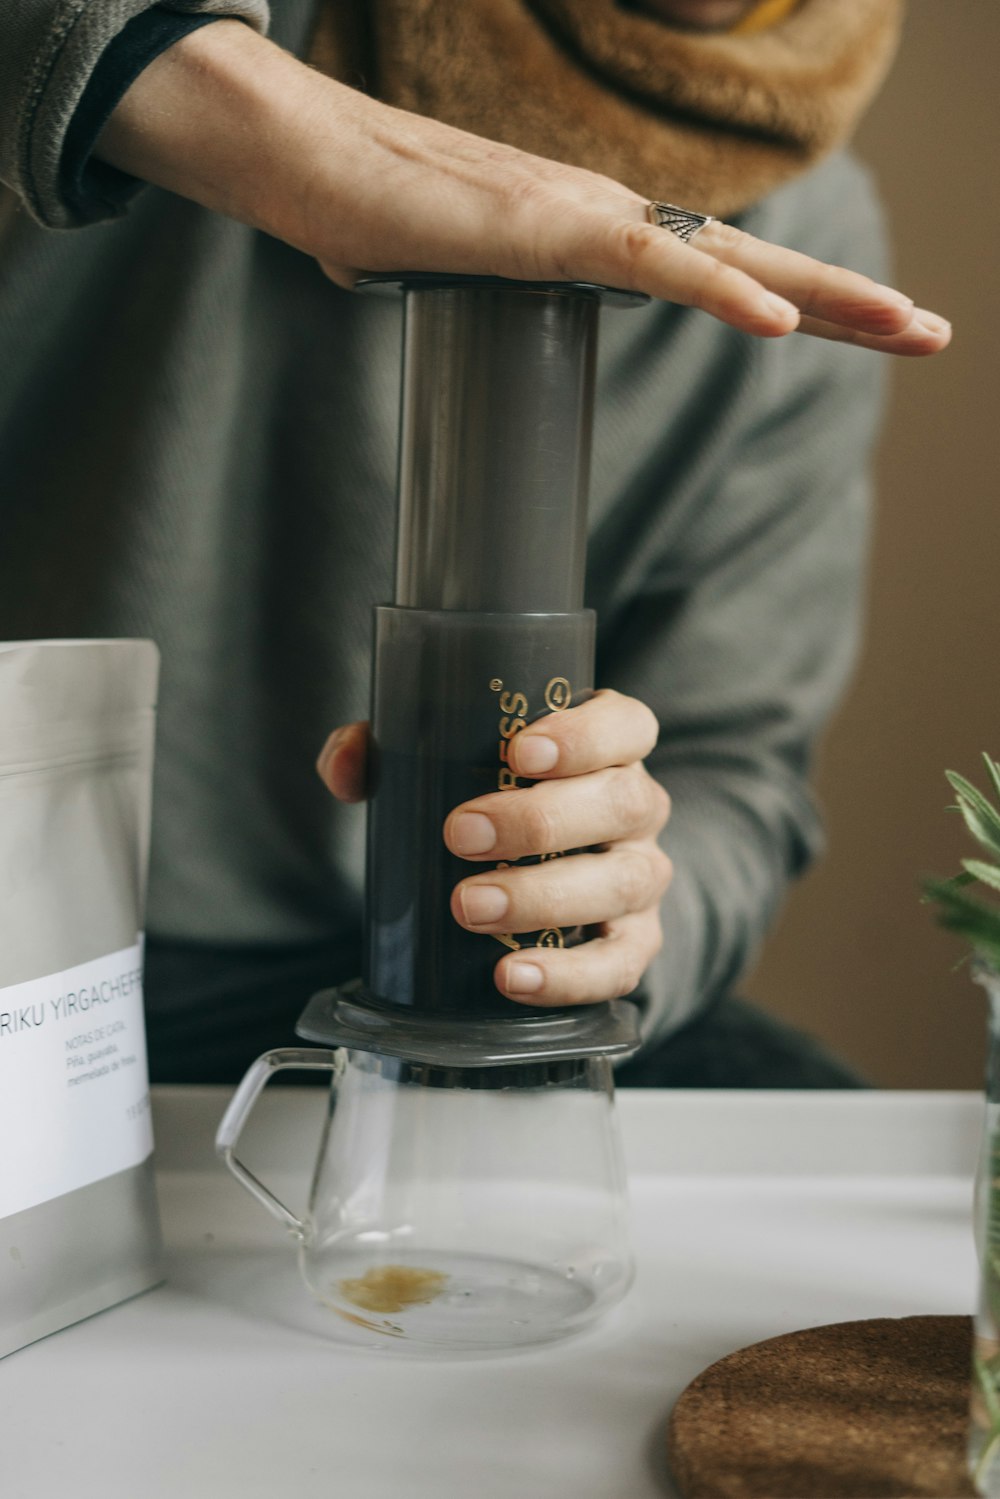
(680, 221)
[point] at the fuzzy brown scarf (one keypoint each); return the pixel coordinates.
(712, 121)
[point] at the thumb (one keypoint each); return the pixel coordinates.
(342, 764)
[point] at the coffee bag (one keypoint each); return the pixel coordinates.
(78, 1222)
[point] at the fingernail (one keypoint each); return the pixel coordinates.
(329, 749)
(472, 833)
(772, 304)
(931, 323)
(535, 753)
(523, 978)
(482, 904)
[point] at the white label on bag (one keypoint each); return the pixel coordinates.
(74, 1086)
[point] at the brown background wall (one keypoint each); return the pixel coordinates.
(856, 958)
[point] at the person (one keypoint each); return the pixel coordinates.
(197, 423)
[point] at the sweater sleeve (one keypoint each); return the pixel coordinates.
(48, 52)
(762, 645)
(741, 638)
(90, 187)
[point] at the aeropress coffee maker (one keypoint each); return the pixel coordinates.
(469, 1191)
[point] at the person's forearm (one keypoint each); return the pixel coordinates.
(50, 51)
(224, 118)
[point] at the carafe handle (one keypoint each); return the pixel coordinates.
(227, 1137)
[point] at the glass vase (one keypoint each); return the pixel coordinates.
(984, 1422)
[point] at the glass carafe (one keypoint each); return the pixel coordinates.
(457, 1208)
(984, 1430)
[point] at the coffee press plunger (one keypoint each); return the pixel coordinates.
(469, 1190)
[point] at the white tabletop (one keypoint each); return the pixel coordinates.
(754, 1213)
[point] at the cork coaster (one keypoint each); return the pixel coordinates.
(859, 1409)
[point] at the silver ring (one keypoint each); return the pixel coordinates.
(680, 221)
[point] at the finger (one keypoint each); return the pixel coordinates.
(638, 256)
(580, 890)
(820, 290)
(926, 333)
(608, 729)
(607, 967)
(343, 762)
(603, 807)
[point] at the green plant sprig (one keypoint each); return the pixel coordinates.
(975, 920)
(978, 921)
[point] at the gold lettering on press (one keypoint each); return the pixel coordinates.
(514, 709)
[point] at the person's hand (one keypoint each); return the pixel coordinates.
(232, 121)
(592, 791)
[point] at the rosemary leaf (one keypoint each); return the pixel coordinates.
(956, 882)
(982, 820)
(987, 874)
(973, 919)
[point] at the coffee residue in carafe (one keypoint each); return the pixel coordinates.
(393, 1288)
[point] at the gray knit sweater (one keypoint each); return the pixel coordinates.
(197, 438)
